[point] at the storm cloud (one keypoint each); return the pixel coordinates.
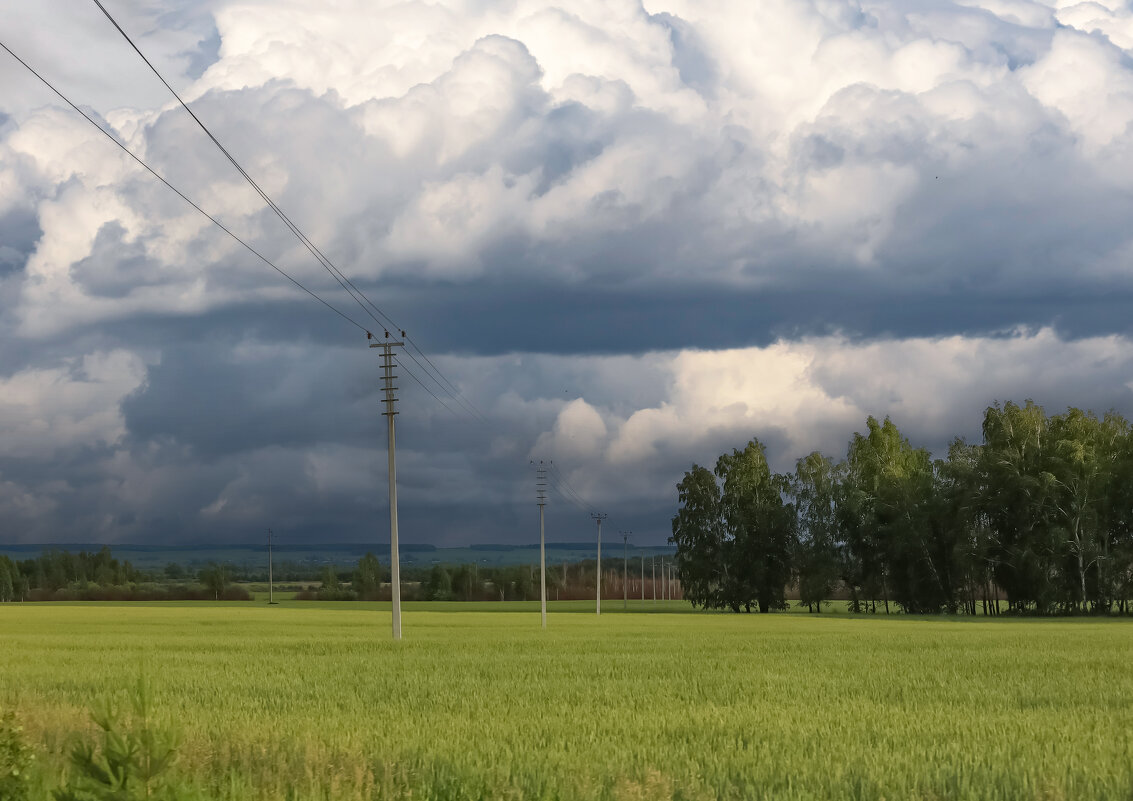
(632, 234)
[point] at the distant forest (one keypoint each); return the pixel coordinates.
(62, 575)
(1039, 515)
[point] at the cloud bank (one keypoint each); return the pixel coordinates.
(633, 234)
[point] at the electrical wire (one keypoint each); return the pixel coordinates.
(178, 192)
(560, 485)
(343, 281)
(212, 219)
(561, 478)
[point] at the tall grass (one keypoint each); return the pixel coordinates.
(305, 702)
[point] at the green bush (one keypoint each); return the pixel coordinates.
(16, 760)
(131, 763)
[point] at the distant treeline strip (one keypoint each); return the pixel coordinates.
(471, 582)
(97, 576)
(1039, 515)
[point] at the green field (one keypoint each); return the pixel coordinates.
(314, 701)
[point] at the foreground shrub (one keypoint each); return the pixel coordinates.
(132, 762)
(16, 760)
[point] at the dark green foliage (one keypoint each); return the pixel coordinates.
(16, 760)
(735, 542)
(7, 590)
(815, 490)
(367, 579)
(439, 585)
(132, 761)
(216, 578)
(1041, 512)
(329, 578)
(698, 532)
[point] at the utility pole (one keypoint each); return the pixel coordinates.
(642, 581)
(654, 561)
(541, 500)
(389, 363)
(598, 519)
(271, 584)
(625, 568)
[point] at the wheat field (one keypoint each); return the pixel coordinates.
(307, 701)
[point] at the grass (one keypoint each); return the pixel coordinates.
(309, 701)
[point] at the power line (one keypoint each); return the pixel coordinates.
(208, 216)
(459, 394)
(438, 400)
(566, 494)
(178, 192)
(343, 281)
(563, 479)
(566, 497)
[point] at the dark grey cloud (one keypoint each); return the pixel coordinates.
(634, 241)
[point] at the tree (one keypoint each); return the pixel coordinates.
(329, 578)
(7, 591)
(964, 525)
(699, 534)
(1017, 498)
(760, 526)
(438, 587)
(465, 583)
(1084, 461)
(898, 538)
(367, 578)
(216, 578)
(814, 489)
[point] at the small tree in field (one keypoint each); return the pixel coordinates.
(7, 591)
(216, 578)
(367, 578)
(439, 585)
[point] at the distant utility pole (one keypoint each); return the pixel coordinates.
(541, 500)
(389, 363)
(642, 560)
(625, 568)
(598, 519)
(654, 561)
(271, 584)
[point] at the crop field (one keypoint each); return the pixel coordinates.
(310, 701)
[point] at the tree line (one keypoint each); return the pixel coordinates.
(57, 575)
(1036, 518)
(369, 581)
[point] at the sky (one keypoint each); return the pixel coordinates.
(633, 235)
